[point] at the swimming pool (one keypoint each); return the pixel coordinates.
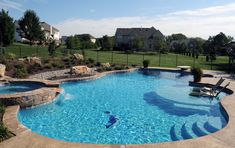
(130, 108)
(17, 87)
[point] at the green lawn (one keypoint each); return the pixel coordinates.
(166, 60)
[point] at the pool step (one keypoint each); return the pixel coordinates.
(191, 130)
(198, 131)
(185, 132)
(210, 128)
(173, 134)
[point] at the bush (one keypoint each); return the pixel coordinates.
(100, 69)
(46, 61)
(48, 66)
(10, 56)
(4, 132)
(108, 69)
(34, 68)
(51, 48)
(20, 71)
(57, 64)
(134, 65)
(98, 64)
(146, 63)
(197, 74)
(91, 60)
(2, 110)
(119, 67)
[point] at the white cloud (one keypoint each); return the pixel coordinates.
(200, 22)
(7, 4)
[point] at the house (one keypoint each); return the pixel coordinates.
(63, 39)
(18, 38)
(86, 37)
(51, 33)
(126, 38)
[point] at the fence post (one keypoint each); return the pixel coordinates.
(20, 51)
(97, 56)
(143, 56)
(37, 51)
(159, 62)
(176, 59)
(211, 64)
(127, 59)
(194, 61)
(112, 57)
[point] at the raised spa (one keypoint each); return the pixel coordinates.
(129, 108)
(18, 87)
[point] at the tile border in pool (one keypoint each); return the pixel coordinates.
(223, 138)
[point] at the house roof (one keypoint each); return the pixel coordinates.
(142, 32)
(47, 27)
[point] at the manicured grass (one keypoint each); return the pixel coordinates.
(24, 50)
(163, 60)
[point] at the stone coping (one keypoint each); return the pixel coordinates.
(46, 84)
(97, 76)
(222, 138)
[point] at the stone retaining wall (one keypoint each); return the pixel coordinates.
(31, 98)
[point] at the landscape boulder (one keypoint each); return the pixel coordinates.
(31, 60)
(2, 70)
(80, 70)
(78, 57)
(105, 65)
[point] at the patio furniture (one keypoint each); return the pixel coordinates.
(208, 93)
(208, 89)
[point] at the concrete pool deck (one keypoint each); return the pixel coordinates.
(25, 138)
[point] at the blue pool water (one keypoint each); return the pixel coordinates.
(16, 87)
(130, 108)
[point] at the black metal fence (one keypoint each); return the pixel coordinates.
(120, 57)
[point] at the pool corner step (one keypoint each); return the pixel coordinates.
(210, 128)
(173, 134)
(198, 131)
(185, 133)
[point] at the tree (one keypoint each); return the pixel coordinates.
(30, 27)
(73, 42)
(70, 42)
(106, 43)
(85, 41)
(160, 44)
(175, 37)
(137, 43)
(220, 41)
(7, 29)
(209, 49)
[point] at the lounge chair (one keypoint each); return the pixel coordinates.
(210, 89)
(208, 93)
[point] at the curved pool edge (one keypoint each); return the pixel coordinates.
(222, 138)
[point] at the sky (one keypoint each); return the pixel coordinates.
(194, 18)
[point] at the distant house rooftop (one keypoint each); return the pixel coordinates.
(46, 27)
(142, 32)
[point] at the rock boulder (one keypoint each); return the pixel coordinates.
(78, 57)
(2, 70)
(80, 70)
